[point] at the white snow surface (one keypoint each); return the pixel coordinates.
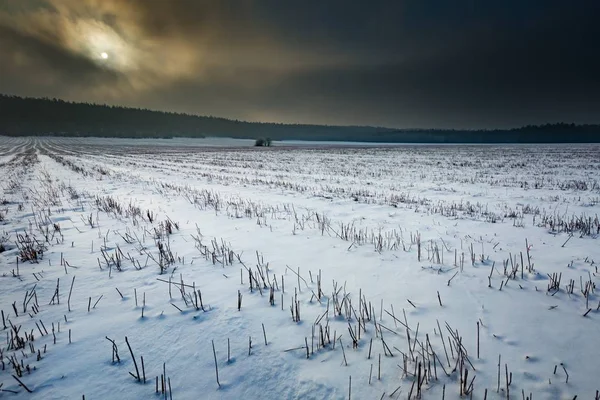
(494, 224)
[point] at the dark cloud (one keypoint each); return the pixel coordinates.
(38, 67)
(404, 63)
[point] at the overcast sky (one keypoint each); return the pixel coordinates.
(403, 63)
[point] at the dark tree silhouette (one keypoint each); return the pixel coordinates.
(54, 117)
(263, 142)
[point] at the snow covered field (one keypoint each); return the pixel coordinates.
(298, 272)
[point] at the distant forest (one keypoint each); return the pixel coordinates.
(53, 117)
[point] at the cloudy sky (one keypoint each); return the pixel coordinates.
(402, 63)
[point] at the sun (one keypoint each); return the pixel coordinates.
(104, 55)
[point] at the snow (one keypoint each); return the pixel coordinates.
(349, 215)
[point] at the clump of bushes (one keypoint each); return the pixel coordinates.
(263, 142)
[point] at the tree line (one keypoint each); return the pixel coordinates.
(24, 116)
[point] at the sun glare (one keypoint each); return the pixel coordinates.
(104, 55)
